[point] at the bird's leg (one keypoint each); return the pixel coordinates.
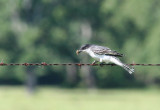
(94, 62)
(100, 60)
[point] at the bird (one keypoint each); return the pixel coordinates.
(104, 54)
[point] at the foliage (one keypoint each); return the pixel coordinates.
(51, 31)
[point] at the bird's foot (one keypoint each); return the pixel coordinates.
(102, 64)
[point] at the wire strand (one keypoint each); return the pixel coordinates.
(70, 64)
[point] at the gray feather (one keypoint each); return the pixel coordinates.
(100, 50)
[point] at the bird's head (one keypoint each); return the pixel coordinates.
(83, 48)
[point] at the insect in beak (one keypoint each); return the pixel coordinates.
(78, 51)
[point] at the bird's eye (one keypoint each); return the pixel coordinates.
(83, 48)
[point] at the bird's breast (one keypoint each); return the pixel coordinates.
(103, 58)
(95, 56)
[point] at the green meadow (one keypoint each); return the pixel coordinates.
(48, 98)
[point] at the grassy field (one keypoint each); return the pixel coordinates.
(47, 98)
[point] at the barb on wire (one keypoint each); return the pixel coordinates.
(69, 64)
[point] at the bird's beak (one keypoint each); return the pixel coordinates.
(78, 51)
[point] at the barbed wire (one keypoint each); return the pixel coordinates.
(70, 64)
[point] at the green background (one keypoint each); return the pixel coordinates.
(35, 31)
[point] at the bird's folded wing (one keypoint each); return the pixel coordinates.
(100, 50)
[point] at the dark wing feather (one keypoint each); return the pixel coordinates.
(100, 50)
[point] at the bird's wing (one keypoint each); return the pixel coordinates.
(100, 50)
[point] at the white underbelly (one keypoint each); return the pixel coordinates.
(105, 58)
(101, 58)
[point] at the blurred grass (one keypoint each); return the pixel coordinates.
(47, 98)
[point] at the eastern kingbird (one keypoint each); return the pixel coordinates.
(104, 54)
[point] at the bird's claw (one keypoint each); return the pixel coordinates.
(102, 64)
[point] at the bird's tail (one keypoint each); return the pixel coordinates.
(118, 62)
(127, 68)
